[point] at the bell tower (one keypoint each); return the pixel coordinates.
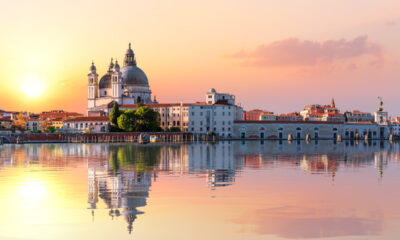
(381, 116)
(93, 86)
(117, 88)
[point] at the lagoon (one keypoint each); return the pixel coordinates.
(226, 190)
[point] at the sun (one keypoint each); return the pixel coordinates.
(32, 86)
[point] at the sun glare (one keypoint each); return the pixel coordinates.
(32, 87)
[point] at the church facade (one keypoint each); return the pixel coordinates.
(126, 85)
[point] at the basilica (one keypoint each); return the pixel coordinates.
(126, 85)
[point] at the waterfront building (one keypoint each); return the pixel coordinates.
(381, 116)
(268, 117)
(32, 123)
(86, 124)
(315, 129)
(318, 112)
(357, 116)
(126, 85)
(215, 116)
(256, 114)
(294, 116)
(5, 123)
(172, 115)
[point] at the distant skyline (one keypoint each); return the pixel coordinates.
(273, 55)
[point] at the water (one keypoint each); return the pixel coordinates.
(229, 190)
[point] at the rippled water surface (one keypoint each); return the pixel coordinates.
(227, 190)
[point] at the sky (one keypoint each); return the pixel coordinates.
(273, 55)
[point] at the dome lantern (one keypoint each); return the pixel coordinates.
(92, 68)
(116, 67)
(129, 57)
(111, 66)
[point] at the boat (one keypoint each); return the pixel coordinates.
(144, 138)
(154, 138)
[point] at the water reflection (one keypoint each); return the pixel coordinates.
(275, 188)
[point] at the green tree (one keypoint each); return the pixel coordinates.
(114, 114)
(51, 129)
(147, 120)
(126, 121)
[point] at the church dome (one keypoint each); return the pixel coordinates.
(105, 81)
(132, 75)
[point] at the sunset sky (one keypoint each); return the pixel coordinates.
(273, 55)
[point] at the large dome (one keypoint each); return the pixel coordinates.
(105, 81)
(132, 75)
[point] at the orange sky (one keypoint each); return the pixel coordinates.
(274, 55)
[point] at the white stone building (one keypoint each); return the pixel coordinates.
(86, 124)
(126, 85)
(215, 116)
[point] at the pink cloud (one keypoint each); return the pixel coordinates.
(295, 52)
(391, 23)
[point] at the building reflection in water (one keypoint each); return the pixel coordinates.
(120, 176)
(122, 182)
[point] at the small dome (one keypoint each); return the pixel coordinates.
(212, 90)
(92, 68)
(132, 75)
(116, 67)
(111, 66)
(105, 81)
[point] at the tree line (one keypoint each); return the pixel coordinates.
(141, 119)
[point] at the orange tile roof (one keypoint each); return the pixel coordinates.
(89, 119)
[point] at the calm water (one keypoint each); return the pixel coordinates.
(237, 190)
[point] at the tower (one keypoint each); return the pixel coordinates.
(333, 103)
(117, 90)
(381, 116)
(93, 87)
(129, 57)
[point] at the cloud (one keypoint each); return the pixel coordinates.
(391, 23)
(295, 52)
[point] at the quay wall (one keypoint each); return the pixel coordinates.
(101, 137)
(313, 129)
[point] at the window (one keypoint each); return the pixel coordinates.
(223, 129)
(192, 122)
(229, 113)
(201, 129)
(223, 122)
(192, 113)
(201, 113)
(215, 113)
(192, 129)
(215, 129)
(229, 129)
(178, 123)
(173, 123)
(229, 122)
(223, 113)
(201, 122)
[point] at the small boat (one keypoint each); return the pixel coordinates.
(144, 138)
(154, 138)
